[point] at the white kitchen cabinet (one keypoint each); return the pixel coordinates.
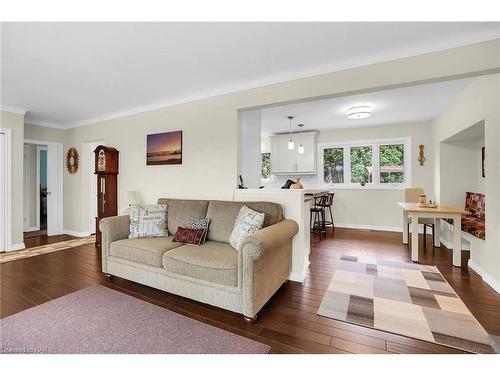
(285, 161)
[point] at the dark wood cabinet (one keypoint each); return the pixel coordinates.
(106, 169)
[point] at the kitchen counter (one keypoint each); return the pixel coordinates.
(296, 204)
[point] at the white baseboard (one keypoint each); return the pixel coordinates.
(368, 227)
(378, 227)
(485, 276)
(76, 233)
(17, 246)
(299, 276)
(32, 229)
(449, 245)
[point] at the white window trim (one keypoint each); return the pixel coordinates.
(375, 143)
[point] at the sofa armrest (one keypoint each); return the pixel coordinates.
(112, 228)
(268, 238)
(264, 264)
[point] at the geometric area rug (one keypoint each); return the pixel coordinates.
(101, 320)
(408, 299)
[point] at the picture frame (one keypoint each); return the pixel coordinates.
(164, 148)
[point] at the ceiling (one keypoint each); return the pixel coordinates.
(70, 74)
(397, 106)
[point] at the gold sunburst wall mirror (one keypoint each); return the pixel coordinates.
(72, 160)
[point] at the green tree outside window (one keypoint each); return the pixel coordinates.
(265, 167)
(392, 159)
(333, 165)
(361, 164)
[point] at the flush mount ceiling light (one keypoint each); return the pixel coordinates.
(291, 143)
(359, 112)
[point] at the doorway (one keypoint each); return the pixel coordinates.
(43, 186)
(35, 190)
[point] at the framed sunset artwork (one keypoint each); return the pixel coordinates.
(164, 148)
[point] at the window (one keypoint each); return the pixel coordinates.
(392, 164)
(374, 164)
(333, 166)
(361, 165)
(265, 166)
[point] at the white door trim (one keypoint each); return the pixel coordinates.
(38, 149)
(6, 166)
(60, 200)
(27, 186)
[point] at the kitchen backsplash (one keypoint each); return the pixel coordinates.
(309, 181)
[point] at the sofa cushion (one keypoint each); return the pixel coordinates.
(475, 204)
(143, 250)
(222, 215)
(189, 236)
(247, 223)
(213, 261)
(474, 226)
(180, 209)
(148, 221)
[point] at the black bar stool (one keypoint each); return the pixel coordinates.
(317, 216)
(327, 204)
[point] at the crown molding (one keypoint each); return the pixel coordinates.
(19, 111)
(46, 124)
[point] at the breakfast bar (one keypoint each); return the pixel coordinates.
(296, 204)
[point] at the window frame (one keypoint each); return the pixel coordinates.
(375, 144)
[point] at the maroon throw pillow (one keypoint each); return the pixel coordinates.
(189, 236)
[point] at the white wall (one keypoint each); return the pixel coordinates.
(250, 148)
(210, 128)
(15, 122)
(460, 165)
(478, 102)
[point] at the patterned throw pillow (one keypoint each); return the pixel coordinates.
(189, 236)
(247, 222)
(148, 221)
(195, 223)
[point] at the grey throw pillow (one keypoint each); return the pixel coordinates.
(195, 223)
(148, 221)
(247, 222)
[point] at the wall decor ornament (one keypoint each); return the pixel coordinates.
(164, 148)
(72, 160)
(421, 157)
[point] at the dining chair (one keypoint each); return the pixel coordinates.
(412, 195)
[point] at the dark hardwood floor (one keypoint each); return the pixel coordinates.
(31, 240)
(288, 323)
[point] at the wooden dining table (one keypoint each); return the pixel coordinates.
(412, 211)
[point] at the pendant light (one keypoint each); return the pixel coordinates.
(301, 147)
(291, 144)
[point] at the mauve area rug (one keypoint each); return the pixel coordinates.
(102, 320)
(409, 299)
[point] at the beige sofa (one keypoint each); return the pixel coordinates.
(214, 273)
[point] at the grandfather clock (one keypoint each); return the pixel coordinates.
(106, 169)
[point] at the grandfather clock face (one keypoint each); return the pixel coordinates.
(101, 161)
